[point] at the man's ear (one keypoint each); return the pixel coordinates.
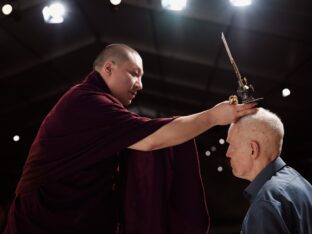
(255, 149)
(107, 68)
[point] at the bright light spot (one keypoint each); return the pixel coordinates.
(208, 153)
(241, 3)
(220, 169)
(221, 141)
(213, 148)
(285, 92)
(54, 13)
(16, 138)
(174, 5)
(7, 9)
(115, 2)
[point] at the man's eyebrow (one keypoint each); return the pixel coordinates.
(139, 70)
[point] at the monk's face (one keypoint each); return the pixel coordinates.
(127, 79)
(239, 153)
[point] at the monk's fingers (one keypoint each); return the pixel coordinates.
(243, 112)
(242, 107)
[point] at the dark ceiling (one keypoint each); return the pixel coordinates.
(186, 70)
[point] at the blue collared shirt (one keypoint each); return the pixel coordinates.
(281, 202)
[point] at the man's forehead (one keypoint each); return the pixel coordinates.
(135, 62)
(232, 127)
(233, 130)
(229, 133)
(136, 58)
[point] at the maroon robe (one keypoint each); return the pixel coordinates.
(69, 179)
(164, 192)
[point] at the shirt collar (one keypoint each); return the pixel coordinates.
(94, 78)
(265, 175)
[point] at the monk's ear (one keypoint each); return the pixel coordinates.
(255, 149)
(107, 68)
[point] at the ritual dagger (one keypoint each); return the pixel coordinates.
(244, 88)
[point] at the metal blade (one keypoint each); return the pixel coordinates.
(238, 75)
(227, 47)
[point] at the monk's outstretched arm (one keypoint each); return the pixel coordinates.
(187, 127)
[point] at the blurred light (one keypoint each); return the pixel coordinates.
(7, 9)
(220, 169)
(241, 3)
(16, 138)
(221, 141)
(174, 5)
(207, 153)
(115, 2)
(54, 13)
(213, 148)
(285, 92)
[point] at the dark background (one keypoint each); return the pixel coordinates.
(186, 70)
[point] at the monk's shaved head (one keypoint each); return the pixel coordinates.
(117, 53)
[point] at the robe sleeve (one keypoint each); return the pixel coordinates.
(163, 192)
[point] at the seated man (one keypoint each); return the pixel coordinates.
(281, 199)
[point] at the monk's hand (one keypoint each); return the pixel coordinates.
(225, 113)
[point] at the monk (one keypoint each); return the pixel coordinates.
(95, 167)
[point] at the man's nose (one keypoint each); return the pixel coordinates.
(227, 154)
(139, 84)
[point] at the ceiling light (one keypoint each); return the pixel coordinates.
(7, 9)
(285, 92)
(174, 5)
(16, 138)
(54, 14)
(241, 3)
(221, 141)
(115, 2)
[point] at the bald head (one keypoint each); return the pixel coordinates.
(254, 141)
(264, 127)
(117, 53)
